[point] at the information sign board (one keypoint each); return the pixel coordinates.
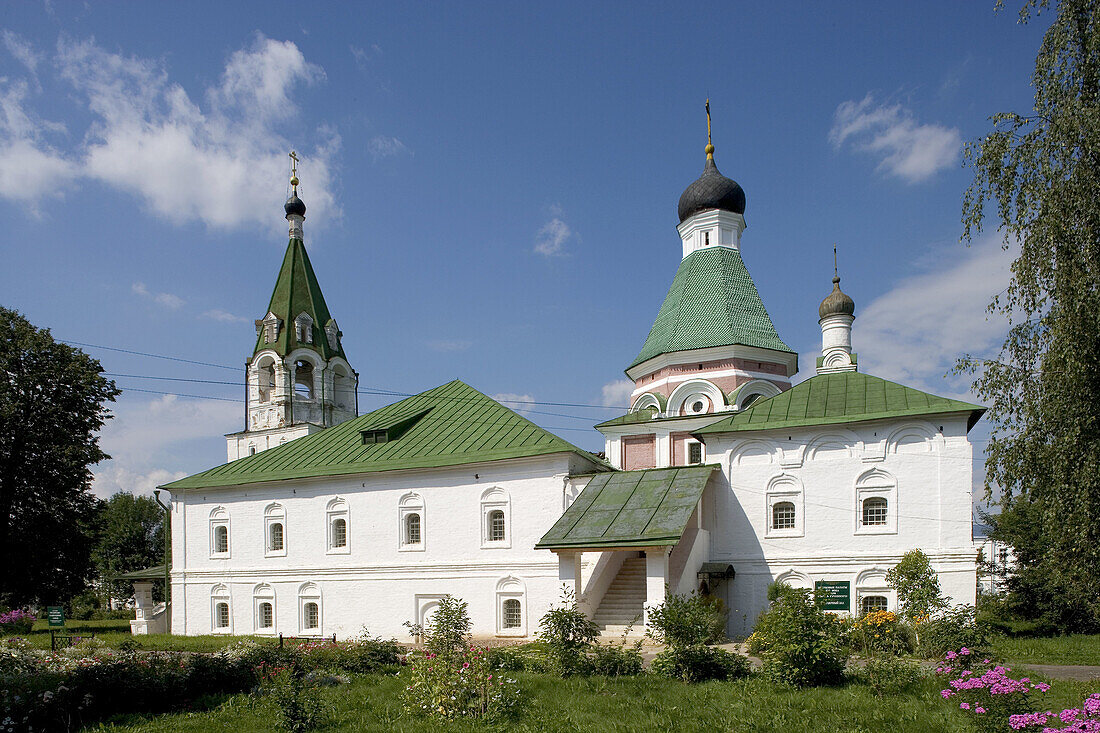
(56, 615)
(837, 594)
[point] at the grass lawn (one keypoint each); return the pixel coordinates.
(1072, 649)
(647, 703)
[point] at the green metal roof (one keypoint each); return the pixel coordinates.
(630, 509)
(451, 425)
(712, 302)
(842, 397)
(296, 292)
(154, 573)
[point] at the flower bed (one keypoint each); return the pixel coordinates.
(18, 622)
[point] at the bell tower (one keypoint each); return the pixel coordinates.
(298, 379)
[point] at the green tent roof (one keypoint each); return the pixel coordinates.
(712, 302)
(296, 292)
(842, 397)
(450, 425)
(630, 509)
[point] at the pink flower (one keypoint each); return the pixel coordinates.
(979, 709)
(964, 705)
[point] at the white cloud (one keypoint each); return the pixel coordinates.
(166, 299)
(30, 167)
(226, 157)
(908, 150)
(21, 50)
(382, 146)
(914, 333)
(155, 441)
(617, 393)
(450, 345)
(218, 314)
(551, 239)
(517, 402)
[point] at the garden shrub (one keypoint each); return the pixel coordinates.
(889, 674)
(448, 632)
(804, 644)
(568, 633)
(461, 684)
(881, 632)
(532, 657)
(296, 704)
(17, 622)
(687, 620)
(952, 629)
(699, 663)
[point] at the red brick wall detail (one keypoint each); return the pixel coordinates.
(639, 451)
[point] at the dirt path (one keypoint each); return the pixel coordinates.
(1080, 672)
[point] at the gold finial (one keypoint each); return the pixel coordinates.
(294, 170)
(836, 273)
(710, 146)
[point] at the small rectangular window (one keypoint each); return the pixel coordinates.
(513, 614)
(695, 453)
(375, 436)
(496, 526)
(339, 533)
(267, 617)
(312, 616)
(222, 615)
(276, 536)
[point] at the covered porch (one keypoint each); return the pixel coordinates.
(630, 538)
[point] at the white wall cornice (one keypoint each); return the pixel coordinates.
(715, 353)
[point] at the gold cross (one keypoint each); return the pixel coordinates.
(708, 121)
(835, 274)
(294, 165)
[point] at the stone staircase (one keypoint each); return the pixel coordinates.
(623, 603)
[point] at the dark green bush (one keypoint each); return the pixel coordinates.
(805, 645)
(616, 660)
(568, 633)
(688, 620)
(950, 630)
(699, 663)
(889, 675)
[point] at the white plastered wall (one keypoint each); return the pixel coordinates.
(374, 582)
(930, 461)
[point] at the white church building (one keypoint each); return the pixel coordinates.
(722, 478)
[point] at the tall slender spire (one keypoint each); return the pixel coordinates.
(710, 146)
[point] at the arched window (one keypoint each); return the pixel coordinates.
(494, 518)
(275, 530)
(872, 603)
(309, 609)
(874, 511)
(222, 616)
(412, 528)
(337, 514)
(267, 616)
(221, 539)
(783, 515)
(303, 329)
(219, 532)
(411, 523)
(303, 379)
(496, 526)
(513, 614)
(265, 377)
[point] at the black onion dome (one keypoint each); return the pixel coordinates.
(711, 190)
(836, 303)
(294, 205)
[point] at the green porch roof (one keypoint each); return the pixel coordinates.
(842, 397)
(712, 302)
(450, 425)
(630, 509)
(297, 291)
(154, 573)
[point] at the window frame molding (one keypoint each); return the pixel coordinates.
(495, 499)
(876, 483)
(410, 503)
(337, 508)
(310, 592)
(263, 593)
(274, 513)
(785, 488)
(220, 594)
(219, 517)
(511, 588)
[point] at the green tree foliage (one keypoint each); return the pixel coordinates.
(917, 585)
(131, 538)
(1040, 173)
(52, 401)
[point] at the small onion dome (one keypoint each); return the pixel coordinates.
(836, 303)
(295, 206)
(711, 190)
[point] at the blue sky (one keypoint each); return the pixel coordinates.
(492, 188)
